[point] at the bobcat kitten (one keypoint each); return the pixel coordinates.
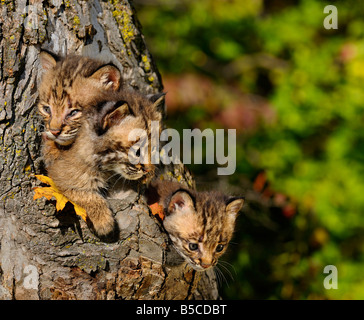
(82, 171)
(80, 98)
(200, 224)
(69, 86)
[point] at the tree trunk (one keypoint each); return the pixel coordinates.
(50, 255)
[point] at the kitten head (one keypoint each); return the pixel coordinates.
(68, 87)
(124, 127)
(201, 225)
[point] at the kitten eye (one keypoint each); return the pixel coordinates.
(47, 109)
(219, 247)
(73, 113)
(193, 246)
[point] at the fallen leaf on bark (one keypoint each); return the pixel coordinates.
(52, 191)
(157, 210)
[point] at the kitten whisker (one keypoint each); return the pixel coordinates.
(117, 180)
(218, 277)
(226, 264)
(222, 276)
(112, 176)
(228, 272)
(123, 186)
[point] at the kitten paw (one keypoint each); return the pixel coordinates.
(105, 227)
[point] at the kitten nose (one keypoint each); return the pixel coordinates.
(205, 265)
(55, 132)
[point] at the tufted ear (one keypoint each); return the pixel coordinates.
(107, 76)
(159, 101)
(181, 201)
(233, 206)
(48, 60)
(113, 118)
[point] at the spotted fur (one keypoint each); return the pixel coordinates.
(83, 170)
(87, 120)
(200, 224)
(68, 88)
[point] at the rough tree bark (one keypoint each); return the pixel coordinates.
(50, 255)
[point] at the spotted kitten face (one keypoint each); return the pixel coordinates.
(201, 225)
(119, 151)
(70, 86)
(62, 121)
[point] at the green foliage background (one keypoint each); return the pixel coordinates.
(302, 86)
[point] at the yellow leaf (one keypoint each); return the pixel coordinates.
(46, 180)
(61, 200)
(43, 192)
(80, 211)
(52, 191)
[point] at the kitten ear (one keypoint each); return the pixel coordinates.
(114, 118)
(107, 76)
(234, 205)
(48, 60)
(181, 201)
(159, 101)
